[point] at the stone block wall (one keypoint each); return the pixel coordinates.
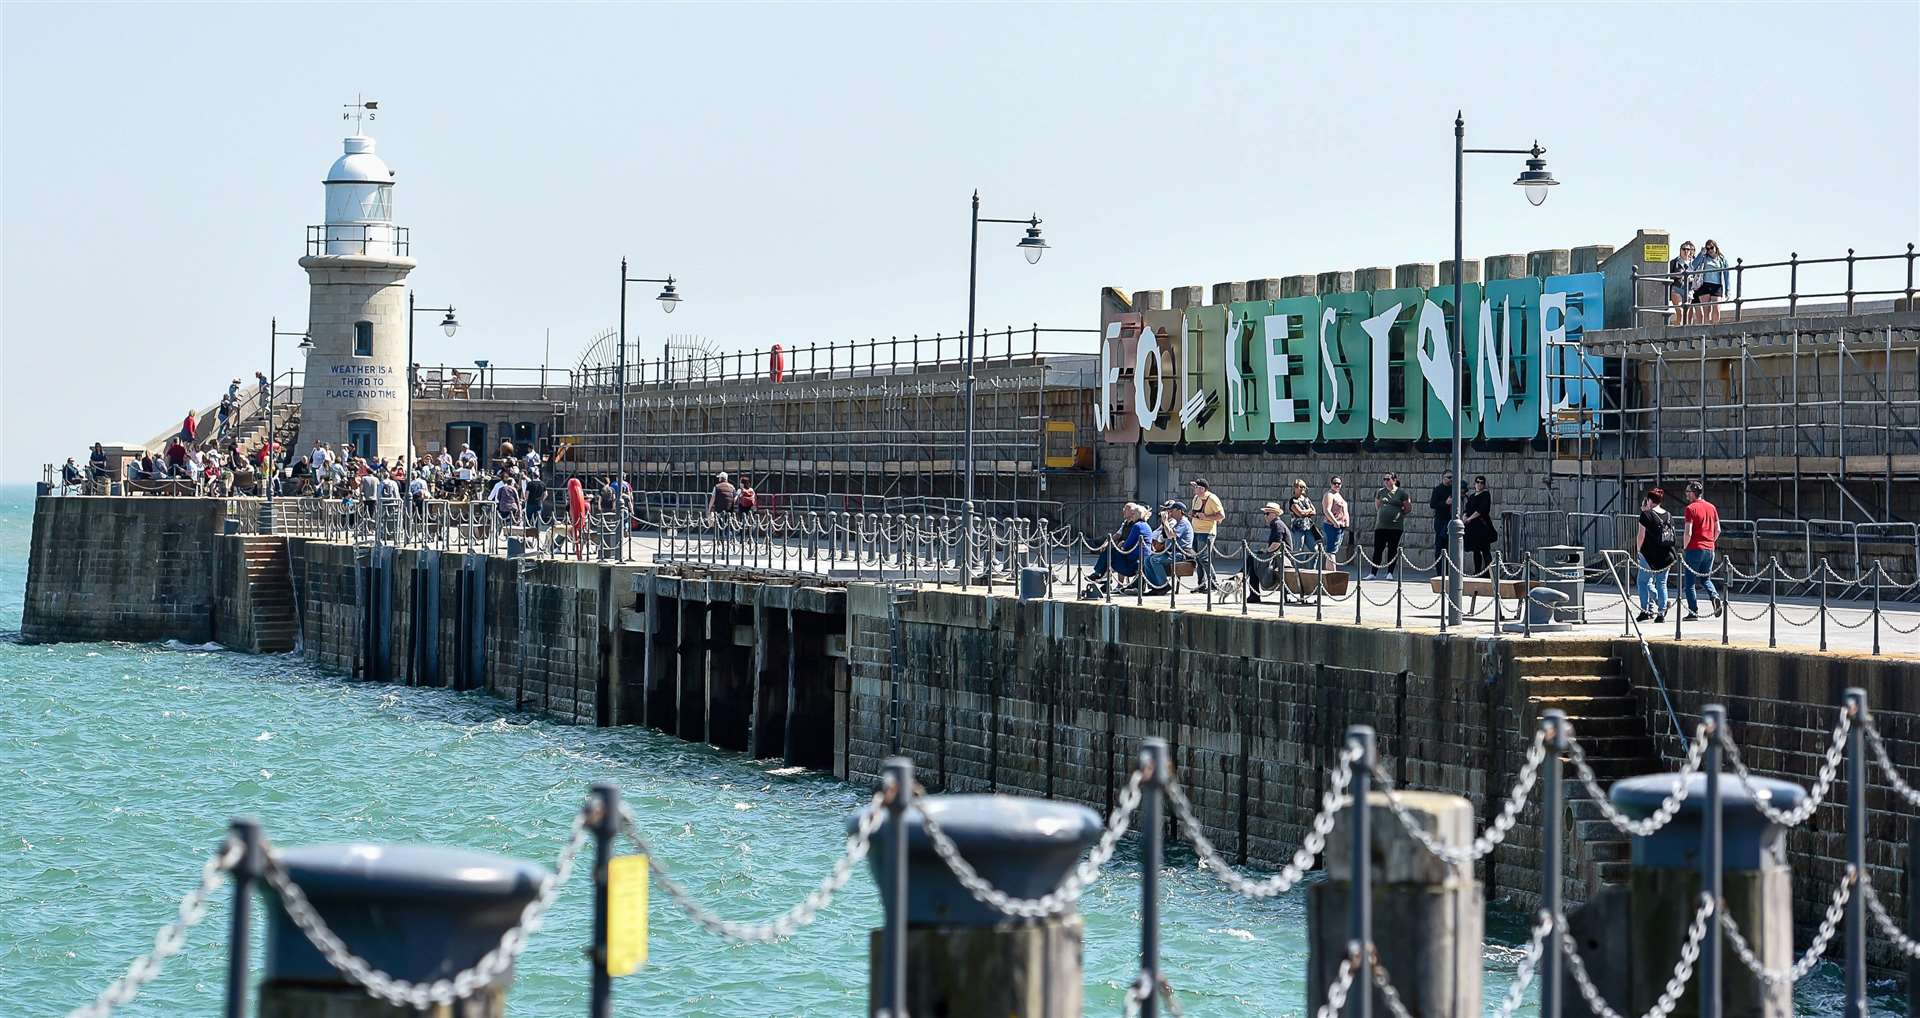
(1052, 699)
(1781, 708)
(122, 569)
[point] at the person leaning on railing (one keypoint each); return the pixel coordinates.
(1709, 272)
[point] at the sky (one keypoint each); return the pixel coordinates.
(805, 170)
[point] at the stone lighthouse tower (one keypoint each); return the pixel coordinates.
(357, 264)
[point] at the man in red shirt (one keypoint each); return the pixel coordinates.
(1702, 522)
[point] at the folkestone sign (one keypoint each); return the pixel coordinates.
(1351, 367)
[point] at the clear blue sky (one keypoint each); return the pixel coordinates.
(805, 169)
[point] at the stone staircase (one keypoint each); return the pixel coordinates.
(1583, 678)
(270, 594)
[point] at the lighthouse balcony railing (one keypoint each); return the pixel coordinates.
(359, 239)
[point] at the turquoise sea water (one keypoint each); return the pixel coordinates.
(120, 764)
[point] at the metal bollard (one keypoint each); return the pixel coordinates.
(1553, 848)
(246, 830)
(1359, 873)
(1424, 918)
(1711, 871)
(962, 957)
(1856, 929)
(1155, 762)
(415, 912)
(899, 771)
(604, 823)
(1666, 882)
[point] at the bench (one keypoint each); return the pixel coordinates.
(1309, 581)
(1481, 586)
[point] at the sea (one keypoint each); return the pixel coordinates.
(121, 764)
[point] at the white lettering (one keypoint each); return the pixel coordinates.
(1435, 353)
(1378, 328)
(1149, 349)
(1553, 350)
(1496, 358)
(1102, 408)
(1280, 409)
(1329, 396)
(1236, 370)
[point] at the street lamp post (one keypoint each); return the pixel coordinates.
(1033, 247)
(450, 325)
(1534, 180)
(669, 298)
(273, 386)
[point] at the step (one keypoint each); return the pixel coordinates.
(1587, 728)
(1577, 685)
(1613, 872)
(1597, 646)
(1634, 745)
(1587, 706)
(1567, 665)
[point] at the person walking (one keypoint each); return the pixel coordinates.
(1391, 506)
(1208, 511)
(1700, 529)
(1334, 522)
(1480, 533)
(188, 427)
(1653, 540)
(1709, 271)
(1441, 502)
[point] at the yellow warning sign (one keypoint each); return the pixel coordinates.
(1656, 253)
(626, 914)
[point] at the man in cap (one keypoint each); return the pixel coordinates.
(1174, 545)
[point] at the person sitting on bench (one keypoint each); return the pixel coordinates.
(1266, 575)
(1174, 545)
(1126, 551)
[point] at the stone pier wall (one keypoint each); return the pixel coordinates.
(1782, 708)
(123, 569)
(1052, 699)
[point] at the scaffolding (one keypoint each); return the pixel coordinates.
(873, 425)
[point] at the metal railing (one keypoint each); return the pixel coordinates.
(1154, 785)
(1787, 301)
(359, 238)
(891, 355)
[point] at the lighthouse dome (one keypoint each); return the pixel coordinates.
(359, 164)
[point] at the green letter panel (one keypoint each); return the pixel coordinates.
(1203, 367)
(1439, 425)
(1247, 341)
(1293, 368)
(1519, 415)
(1346, 354)
(1406, 406)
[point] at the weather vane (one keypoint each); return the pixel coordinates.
(360, 107)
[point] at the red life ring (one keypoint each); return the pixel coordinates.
(776, 364)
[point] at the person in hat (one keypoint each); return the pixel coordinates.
(1126, 550)
(1175, 543)
(721, 499)
(1264, 574)
(1207, 513)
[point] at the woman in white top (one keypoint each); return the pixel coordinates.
(1333, 520)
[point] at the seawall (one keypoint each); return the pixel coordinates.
(986, 693)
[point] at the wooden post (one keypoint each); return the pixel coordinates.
(1428, 916)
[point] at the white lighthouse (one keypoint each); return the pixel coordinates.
(357, 264)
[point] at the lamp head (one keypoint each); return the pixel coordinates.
(1031, 245)
(1535, 180)
(450, 324)
(669, 297)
